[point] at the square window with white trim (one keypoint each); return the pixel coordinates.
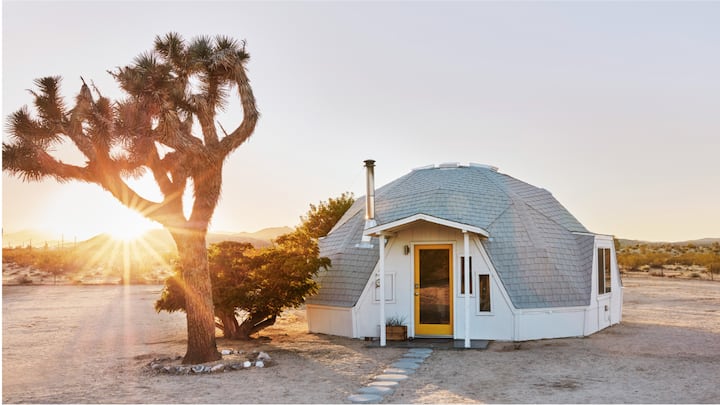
(389, 288)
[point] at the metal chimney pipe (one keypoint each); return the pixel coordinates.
(370, 190)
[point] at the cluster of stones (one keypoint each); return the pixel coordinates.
(391, 377)
(260, 360)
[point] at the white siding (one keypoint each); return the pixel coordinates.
(329, 320)
(597, 316)
(497, 324)
(503, 322)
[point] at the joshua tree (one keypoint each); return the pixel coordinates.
(168, 89)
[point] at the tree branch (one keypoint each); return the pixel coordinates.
(250, 115)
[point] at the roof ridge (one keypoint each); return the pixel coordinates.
(516, 197)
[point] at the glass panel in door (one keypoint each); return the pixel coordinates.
(433, 290)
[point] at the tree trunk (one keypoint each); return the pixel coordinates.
(229, 325)
(201, 344)
(254, 323)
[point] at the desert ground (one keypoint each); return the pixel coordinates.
(90, 344)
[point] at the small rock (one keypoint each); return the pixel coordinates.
(263, 356)
(217, 368)
(198, 368)
(236, 366)
(247, 364)
(157, 367)
(225, 352)
(259, 363)
(169, 369)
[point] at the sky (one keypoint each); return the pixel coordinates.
(611, 106)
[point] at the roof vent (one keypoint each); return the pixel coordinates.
(448, 164)
(489, 167)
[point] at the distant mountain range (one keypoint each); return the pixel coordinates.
(159, 239)
(697, 242)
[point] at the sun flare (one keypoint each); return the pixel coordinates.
(130, 227)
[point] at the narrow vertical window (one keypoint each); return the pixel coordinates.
(607, 262)
(603, 271)
(462, 274)
(484, 292)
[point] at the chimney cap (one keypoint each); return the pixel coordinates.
(369, 163)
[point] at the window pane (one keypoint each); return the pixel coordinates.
(607, 262)
(484, 292)
(462, 275)
(434, 286)
(601, 271)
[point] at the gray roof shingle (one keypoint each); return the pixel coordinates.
(533, 244)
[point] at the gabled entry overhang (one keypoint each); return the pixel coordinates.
(394, 226)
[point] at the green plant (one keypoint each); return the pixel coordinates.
(258, 284)
(395, 320)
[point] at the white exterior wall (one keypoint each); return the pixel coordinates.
(330, 320)
(597, 317)
(549, 323)
(399, 269)
(503, 322)
(497, 324)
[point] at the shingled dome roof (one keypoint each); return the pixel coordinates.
(541, 253)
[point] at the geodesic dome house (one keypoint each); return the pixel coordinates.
(466, 252)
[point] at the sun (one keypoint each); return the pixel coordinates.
(129, 227)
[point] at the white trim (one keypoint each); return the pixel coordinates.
(585, 233)
(466, 265)
(391, 278)
(458, 289)
(382, 289)
(551, 310)
(478, 312)
(378, 230)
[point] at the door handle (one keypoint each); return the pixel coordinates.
(417, 294)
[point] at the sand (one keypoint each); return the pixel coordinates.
(89, 344)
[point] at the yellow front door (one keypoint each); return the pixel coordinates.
(433, 290)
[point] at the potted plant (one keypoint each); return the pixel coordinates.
(395, 328)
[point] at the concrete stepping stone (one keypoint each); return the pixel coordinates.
(364, 398)
(387, 384)
(406, 364)
(417, 355)
(395, 370)
(376, 390)
(391, 377)
(412, 359)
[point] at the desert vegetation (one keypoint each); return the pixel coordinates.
(257, 285)
(97, 261)
(688, 260)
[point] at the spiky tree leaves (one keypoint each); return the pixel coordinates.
(150, 130)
